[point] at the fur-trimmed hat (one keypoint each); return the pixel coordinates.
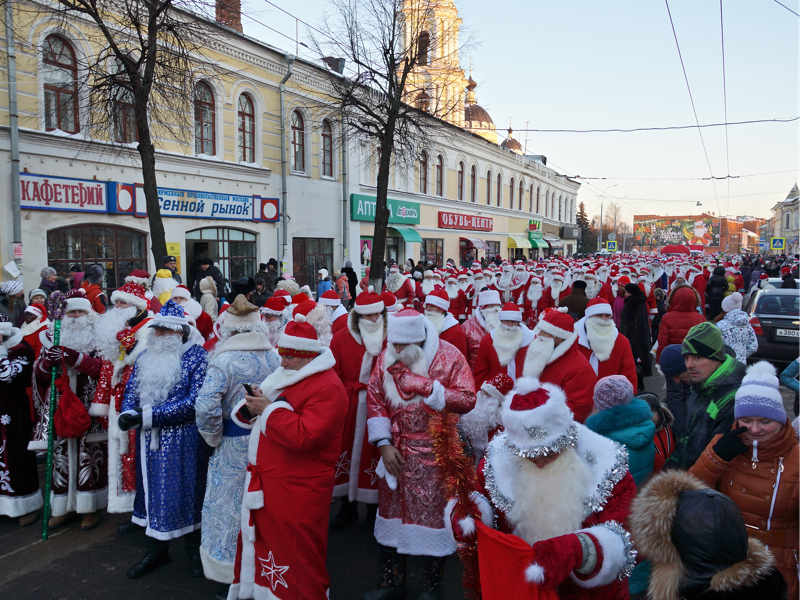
(391, 302)
(557, 323)
(488, 297)
(139, 276)
(242, 315)
(597, 306)
(438, 298)
(131, 293)
(330, 298)
(368, 303)
(77, 300)
(274, 306)
(181, 291)
(406, 327)
(284, 295)
(38, 309)
(299, 339)
(510, 312)
(172, 316)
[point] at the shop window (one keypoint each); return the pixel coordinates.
(432, 251)
(423, 173)
(232, 250)
(247, 129)
(309, 256)
(511, 193)
(489, 187)
(439, 176)
(472, 183)
(327, 149)
(120, 250)
(492, 250)
(60, 75)
(460, 180)
(205, 135)
(298, 142)
(538, 191)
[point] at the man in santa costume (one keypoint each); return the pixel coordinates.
(272, 317)
(499, 347)
(142, 278)
(533, 294)
(647, 286)
(400, 285)
(419, 383)
(34, 326)
(296, 421)
(510, 286)
(596, 288)
(554, 291)
(194, 312)
(457, 296)
(608, 351)
(118, 335)
(172, 460)
(484, 319)
(437, 305)
(20, 497)
(478, 285)
(563, 489)
(465, 283)
(355, 349)
(80, 475)
(334, 311)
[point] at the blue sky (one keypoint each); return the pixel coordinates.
(584, 64)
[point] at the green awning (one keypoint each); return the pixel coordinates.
(518, 240)
(409, 234)
(539, 243)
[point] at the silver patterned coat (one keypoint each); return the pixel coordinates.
(242, 358)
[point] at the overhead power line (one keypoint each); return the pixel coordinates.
(791, 10)
(639, 178)
(725, 105)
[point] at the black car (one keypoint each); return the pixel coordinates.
(775, 317)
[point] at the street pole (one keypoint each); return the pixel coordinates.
(600, 237)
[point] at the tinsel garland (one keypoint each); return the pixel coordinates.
(458, 475)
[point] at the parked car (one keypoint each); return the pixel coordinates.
(775, 317)
(767, 284)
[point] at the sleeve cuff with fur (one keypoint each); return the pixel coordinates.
(436, 399)
(616, 555)
(379, 428)
(147, 417)
(238, 418)
(97, 409)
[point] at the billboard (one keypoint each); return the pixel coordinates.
(651, 231)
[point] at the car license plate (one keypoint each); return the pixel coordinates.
(788, 332)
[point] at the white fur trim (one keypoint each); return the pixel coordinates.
(467, 525)
(97, 409)
(380, 428)
(534, 573)
(279, 379)
(614, 557)
(132, 299)
(78, 303)
(235, 415)
(368, 309)
(299, 343)
(16, 506)
(416, 540)
(382, 472)
(435, 300)
(488, 297)
(484, 506)
(214, 569)
(511, 315)
(181, 292)
(548, 327)
(147, 417)
(436, 399)
(330, 301)
(603, 308)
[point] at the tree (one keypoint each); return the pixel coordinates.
(382, 101)
(587, 242)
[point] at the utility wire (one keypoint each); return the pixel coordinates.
(681, 178)
(791, 10)
(725, 105)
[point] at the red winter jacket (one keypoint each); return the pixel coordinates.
(681, 316)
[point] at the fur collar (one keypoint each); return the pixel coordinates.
(353, 328)
(247, 341)
(449, 321)
(340, 311)
(281, 378)
(14, 339)
(563, 347)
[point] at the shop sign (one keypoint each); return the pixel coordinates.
(449, 220)
(535, 229)
(42, 192)
(362, 208)
(570, 232)
(204, 205)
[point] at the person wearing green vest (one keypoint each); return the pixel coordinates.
(715, 376)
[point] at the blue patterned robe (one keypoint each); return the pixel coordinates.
(236, 360)
(171, 479)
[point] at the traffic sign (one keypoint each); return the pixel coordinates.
(777, 243)
(611, 245)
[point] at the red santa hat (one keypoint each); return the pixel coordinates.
(368, 303)
(487, 297)
(77, 300)
(133, 294)
(406, 327)
(391, 302)
(785, 271)
(181, 291)
(598, 306)
(463, 274)
(557, 275)
(38, 309)
(330, 298)
(300, 298)
(274, 306)
(303, 309)
(427, 273)
(139, 276)
(299, 339)
(623, 281)
(284, 296)
(438, 298)
(394, 268)
(556, 323)
(475, 266)
(537, 420)
(510, 312)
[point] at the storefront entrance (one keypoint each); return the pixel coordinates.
(232, 250)
(309, 256)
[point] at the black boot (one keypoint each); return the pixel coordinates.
(346, 515)
(192, 546)
(157, 556)
(391, 580)
(432, 578)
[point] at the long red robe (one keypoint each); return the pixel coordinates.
(620, 362)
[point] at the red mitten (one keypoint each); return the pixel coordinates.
(411, 383)
(554, 560)
(459, 520)
(396, 370)
(70, 356)
(51, 356)
(501, 382)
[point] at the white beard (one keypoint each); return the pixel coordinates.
(372, 335)
(592, 289)
(534, 293)
(78, 333)
(273, 331)
(158, 368)
(491, 318)
(452, 290)
(413, 356)
(538, 355)
(108, 326)
(322, 325)
(464, 285)
(479, 284)
(521, 277)
(437, 318)
(329, 310)
(555, 289)
(602, 334)
(394, 281)
(506, 343)
(427, 286)
(549, 501)
(506, 280)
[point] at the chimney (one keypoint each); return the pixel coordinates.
(229, 12)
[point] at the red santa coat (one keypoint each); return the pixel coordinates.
(458, 305)
(488, 363)
(293, 449)
(358, 459)
(406, 293)
(547, 300)
(339, 319)
(620, 362)
(452, 333)
(474, 330)
(607, 506)
(411, 517)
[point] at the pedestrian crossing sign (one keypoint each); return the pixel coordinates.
(611, 245)
(777, 243)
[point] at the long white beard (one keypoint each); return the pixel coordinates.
(394, 281)
(506, 342)
(452, 290)
(464, 285)
(159, 368)
(491, 317)
(372, 335)
(534, 293)
(427, 286)
(413, 357)
(506, 280)
(437, 318)
(538, 355)
(329, 310)
(555, 289)
(592, 289)
(322, 325)
(520, 277)
(479, 284)
(108, 326)
(602, 334)
(273, 331)
(549, 501)
(78, 333)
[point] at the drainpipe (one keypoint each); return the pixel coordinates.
(345, 233)
(283, 241)
(13, 126)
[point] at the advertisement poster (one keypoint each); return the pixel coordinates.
(366, 250)
(652, 232)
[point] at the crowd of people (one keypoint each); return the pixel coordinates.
(498, 412)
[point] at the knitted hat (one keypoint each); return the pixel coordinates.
(241, 315)
(759, 394)
(181, 291)
(671, 360)
(299, 339)
(406, 327)
(36, 292)
(489, 297)
(274, 306)
(597, 306)
(94, 273)
(139, 276)
(537, 420)
(704, 339)
(732, 302)
(557, 323)
(133, 294)
(510, 312)
(11, 288)
(172, 316)
(368, 303)
(438, 298)
(330, 298)
(77, 300)
(391, 302)
(613, 390)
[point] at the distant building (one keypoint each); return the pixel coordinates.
(786, 220)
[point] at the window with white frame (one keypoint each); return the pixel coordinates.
(60, 75)
(298, 142)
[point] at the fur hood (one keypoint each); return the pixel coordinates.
(652, 515)
(683, 298)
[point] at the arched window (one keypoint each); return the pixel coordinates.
(489, 187)
(499, 198)
(60, 74)
(423, 173)
(439, 176)
(547, 203)
(530, 199)
(247, 129)
(521, 192)
(472, 190)
(511, 193)
(538, 191)
(327, 149)
(423, 47)
(298, 142)
(460, 180)
(205, 137)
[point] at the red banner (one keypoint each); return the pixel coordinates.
(448, 220)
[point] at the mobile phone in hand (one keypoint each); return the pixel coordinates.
(249, 389)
